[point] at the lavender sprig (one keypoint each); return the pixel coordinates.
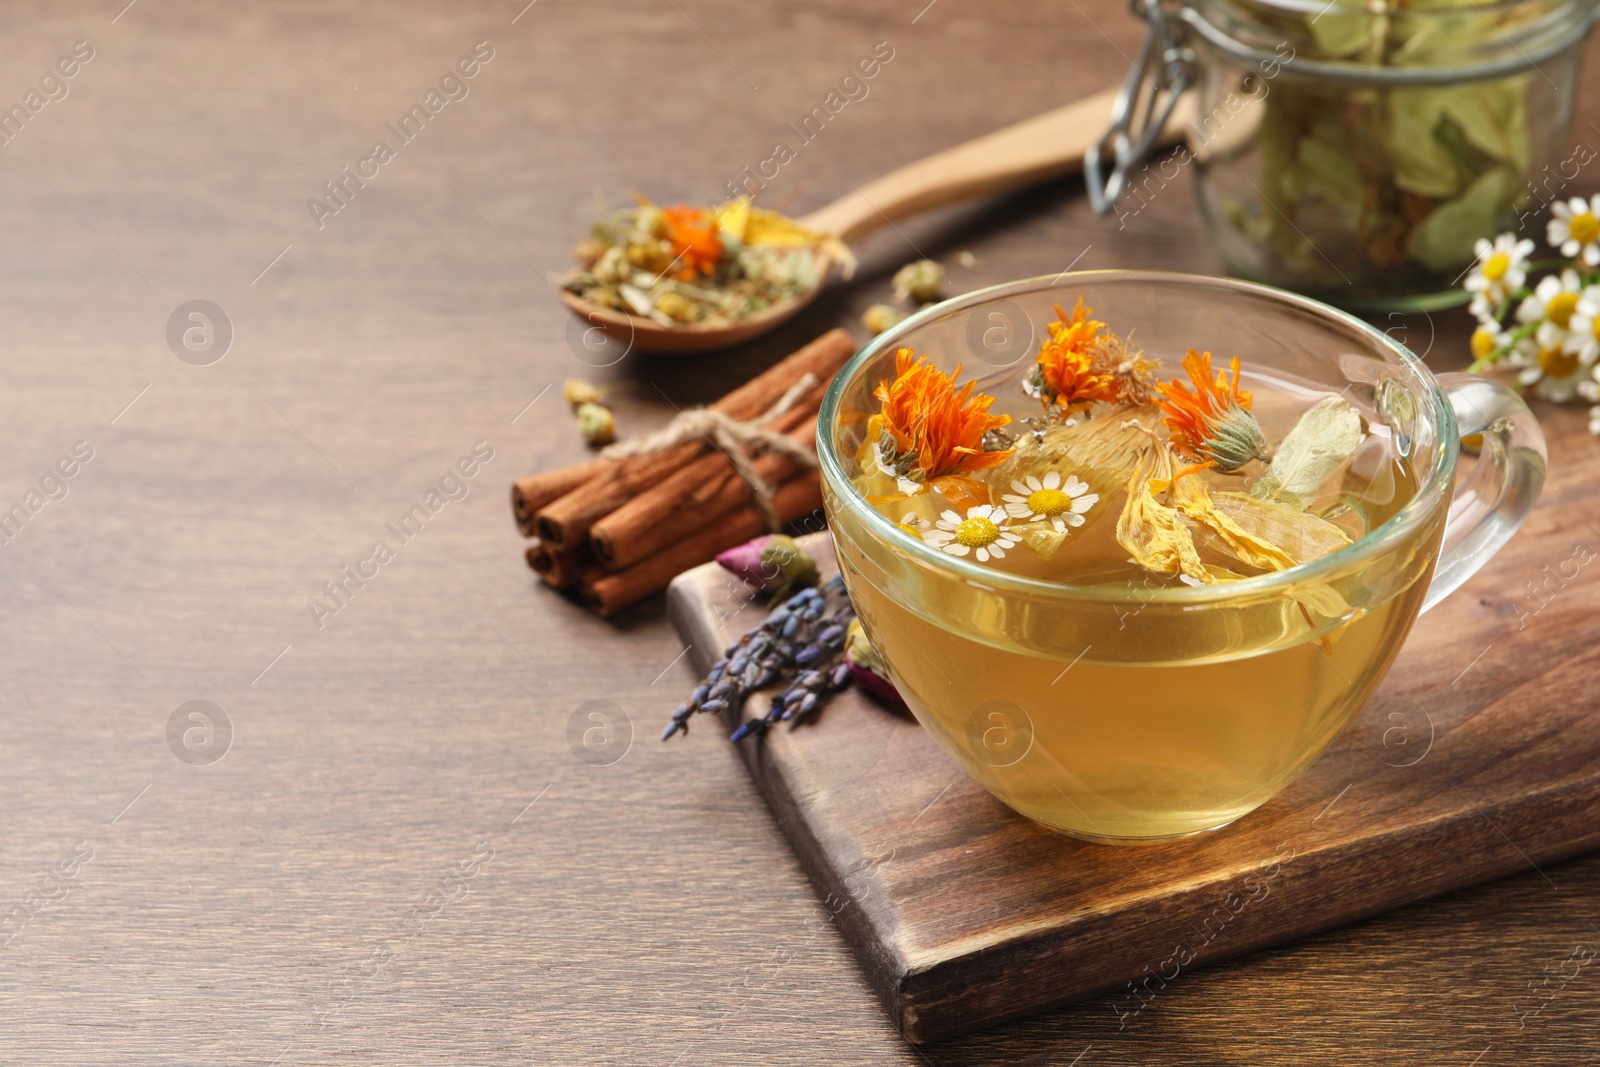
(796, 637)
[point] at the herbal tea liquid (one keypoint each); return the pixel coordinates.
(1137, 721)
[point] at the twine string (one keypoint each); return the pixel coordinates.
(739, 441)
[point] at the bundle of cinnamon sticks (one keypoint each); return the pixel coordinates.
(617, 531)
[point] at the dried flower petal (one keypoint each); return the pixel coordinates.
(1154, 534)
(696, 244)
(1299, 535)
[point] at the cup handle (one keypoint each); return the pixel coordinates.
(1489, 505)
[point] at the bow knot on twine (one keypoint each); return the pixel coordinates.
(739, 441)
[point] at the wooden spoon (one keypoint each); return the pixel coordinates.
(1045, 146)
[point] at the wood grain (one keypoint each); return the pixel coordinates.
(287, 903)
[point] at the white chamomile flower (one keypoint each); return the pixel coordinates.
(1583, 333)
(1501, 269)
(1575, 229)
(1553, 301)
(1554, 373)
(913, 524)
(1487, 339)
(982, 532)
(1594, 421)
(1048, 499)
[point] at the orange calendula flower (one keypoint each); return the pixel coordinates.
(928, 429)
(1212, 425)
(1067, 372)
(696, 244)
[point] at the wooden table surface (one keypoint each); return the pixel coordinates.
(386, 849)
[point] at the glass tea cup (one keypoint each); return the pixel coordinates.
(1138, 711)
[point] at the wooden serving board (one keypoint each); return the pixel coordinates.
(1478, 757)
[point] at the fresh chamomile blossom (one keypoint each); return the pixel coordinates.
(1486, 340)
(1051, 500)
(1575, 228)
(1552, 301)
(1554, 373)
(982, 532)
(1583, 330)
(1501, 269)
(1594, 420)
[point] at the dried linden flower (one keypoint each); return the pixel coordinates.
(919, 281)
(588, 252)
(596, 424)
(880, 317)
(678, 307)
(579, 392)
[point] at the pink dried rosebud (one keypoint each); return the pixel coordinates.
(744, 561)
(772, 563)
(867, 669)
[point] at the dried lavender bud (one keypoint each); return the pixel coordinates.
(799, 633)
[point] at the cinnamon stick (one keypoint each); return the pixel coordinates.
(564, 522)
(530, 494)
(611, 593)
(697, 494)
(560, 569)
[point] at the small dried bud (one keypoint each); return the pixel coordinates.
(997, 440)
(596, 425)
(968, 260)
(867, 668)
(651, 221)
(880, 317)
(796, 569)
(652, 256)
(588, 251)
(613, 268)
(678, 307)
(579, 392)
(919, 281)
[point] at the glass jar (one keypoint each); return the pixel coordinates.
(1356, 150)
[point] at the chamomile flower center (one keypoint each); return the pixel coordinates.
(1556, 362)
(1584, 227)
(1483, 343)
(1560, 308)
(1495, 267)
(1049, 502)
(978, 532)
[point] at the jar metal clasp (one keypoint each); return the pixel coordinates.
(1162, 70)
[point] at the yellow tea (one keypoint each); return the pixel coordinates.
(1207, 719)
